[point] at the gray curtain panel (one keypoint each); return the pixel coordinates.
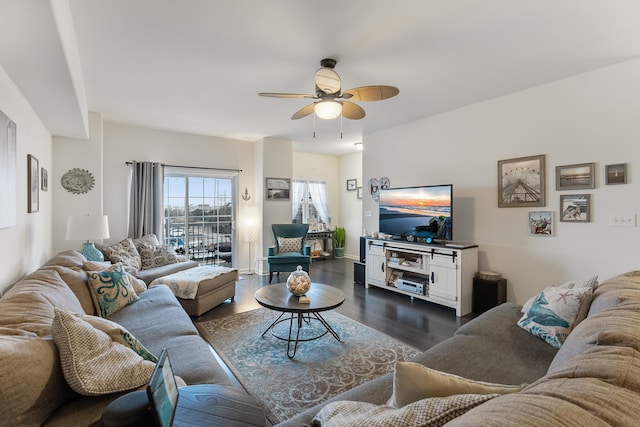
(145, 206)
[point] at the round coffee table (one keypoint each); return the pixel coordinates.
(278, 298)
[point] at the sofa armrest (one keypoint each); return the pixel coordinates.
(271, 250)
(306, 250)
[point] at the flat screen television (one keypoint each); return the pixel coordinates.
(422, 214)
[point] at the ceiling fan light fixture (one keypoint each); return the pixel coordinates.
(328, 109)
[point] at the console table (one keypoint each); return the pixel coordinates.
(326, 237)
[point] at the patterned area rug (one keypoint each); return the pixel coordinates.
(321, 368)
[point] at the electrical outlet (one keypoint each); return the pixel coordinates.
(622, 219)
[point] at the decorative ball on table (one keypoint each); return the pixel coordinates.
(299, 282)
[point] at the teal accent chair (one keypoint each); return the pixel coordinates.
(279, 259)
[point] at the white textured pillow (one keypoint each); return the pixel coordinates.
(413, 382)
(554, 313)
(289, 244)
(124, 252)
(92, 363)
(432, 412)
(156, 256)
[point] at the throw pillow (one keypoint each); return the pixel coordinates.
(138, 284)
(413, 382)
(111, 289)
(591, 282)
(435, 411)
(156, 256)
(554, 312)
(124, 252)
(92, 363)
(120, 335)
(289, 244)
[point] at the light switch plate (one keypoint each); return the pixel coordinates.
(622, 219)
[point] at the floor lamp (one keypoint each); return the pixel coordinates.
(250, 231)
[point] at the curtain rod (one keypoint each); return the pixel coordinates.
(195, 167)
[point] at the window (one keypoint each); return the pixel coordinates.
(198, 216)
(310, 204)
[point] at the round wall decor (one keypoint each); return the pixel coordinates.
(77, 181)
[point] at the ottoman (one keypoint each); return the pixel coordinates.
(200, 289)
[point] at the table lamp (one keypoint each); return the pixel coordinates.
(88, 227)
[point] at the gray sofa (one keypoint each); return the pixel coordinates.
(593, 379)
(34, 390)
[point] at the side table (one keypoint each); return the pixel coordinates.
(201, 404)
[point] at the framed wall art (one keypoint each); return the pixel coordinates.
(33, 184)
(8, 168)
(352, 184)
(44, 179)
(541, 223)
(615, 174)
(521, 182)
(277, 188)
(576, 177)
(575, 208)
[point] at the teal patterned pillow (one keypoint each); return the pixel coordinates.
(554, 312)
(111, 289)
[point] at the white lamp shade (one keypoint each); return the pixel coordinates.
(328, 109)
(87, 227)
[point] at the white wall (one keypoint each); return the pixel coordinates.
(28, 244)
(350, 218)
(70, 153)
(592, 117)
(124, 143)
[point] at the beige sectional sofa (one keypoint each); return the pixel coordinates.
(592, 380)
(34, 389)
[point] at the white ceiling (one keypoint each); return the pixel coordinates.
(196, 66)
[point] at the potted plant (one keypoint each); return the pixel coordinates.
(339, 238)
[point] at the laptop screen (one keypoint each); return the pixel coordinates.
(163, 391)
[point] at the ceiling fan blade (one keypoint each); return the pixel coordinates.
(372, 93)
(303, 112)
(352, 111)
(286, 95)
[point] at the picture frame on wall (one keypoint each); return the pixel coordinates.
(277, 188)
(615, 174)
(521, 182)
(352, 184)
(541, 223)
(33, 184)
(44, 179)
(575, 208)
(359, 192)
(580, 176)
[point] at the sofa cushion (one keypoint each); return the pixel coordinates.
(69, 265)
(93, 364)
(32, 382)
(554, 313)
(124, 252)
(28, 305)
(413, 382)
(111, 289)
(156, 256)
(435, 411)
(151, 274)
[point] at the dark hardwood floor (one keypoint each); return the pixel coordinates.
(412, 321)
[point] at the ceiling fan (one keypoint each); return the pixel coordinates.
(330, 101)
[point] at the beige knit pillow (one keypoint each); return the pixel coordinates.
(92, 363)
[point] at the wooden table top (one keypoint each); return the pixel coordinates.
(277, 297)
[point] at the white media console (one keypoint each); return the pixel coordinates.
(440, 273)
